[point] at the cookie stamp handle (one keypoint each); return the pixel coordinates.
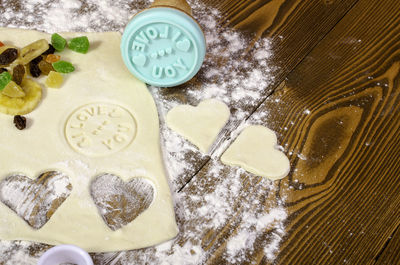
(163, 45)
(178, 4)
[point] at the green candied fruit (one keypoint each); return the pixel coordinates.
(58, 42)
(5, 78)
(63, 67)
(79, 44)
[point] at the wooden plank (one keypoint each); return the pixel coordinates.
(390, 254)
(338, 118)
(293, 28)
(338, 114)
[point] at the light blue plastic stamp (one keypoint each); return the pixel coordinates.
(163, 45)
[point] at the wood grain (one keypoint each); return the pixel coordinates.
(35, 200)
(390, 254)
(293, 27)
(338, 114)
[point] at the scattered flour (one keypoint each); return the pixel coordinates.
(207, 213)
(22, 195)
(18, 252)
(227, 75)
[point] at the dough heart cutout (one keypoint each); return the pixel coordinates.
(255, 151)
(35, 200)
(119, 202)
(200, 125)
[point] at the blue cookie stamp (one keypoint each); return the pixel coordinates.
(163, 46)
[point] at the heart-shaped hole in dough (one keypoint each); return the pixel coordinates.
(120, 202)
(35, 200)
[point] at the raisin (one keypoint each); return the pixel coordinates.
(3, 70)
(34, 69)
(8, 56)
(18, 74)
(37, 59)
(20, 122)
(51, 50)
(45, 67)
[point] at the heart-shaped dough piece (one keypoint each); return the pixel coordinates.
(119, 202)
(200, 125)
(255, 151)
(35, 200)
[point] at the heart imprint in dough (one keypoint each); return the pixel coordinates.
(139, 60)
(183, 45)
(200, 125)
(35, 200)
(255, 151)
(119, 203)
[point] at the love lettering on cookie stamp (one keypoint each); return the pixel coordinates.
(163, 52)
(100, 129)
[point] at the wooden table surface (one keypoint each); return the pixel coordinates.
(335, 101)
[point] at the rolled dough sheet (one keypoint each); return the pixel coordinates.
(61, 138)
(255, 151)
(200, 125)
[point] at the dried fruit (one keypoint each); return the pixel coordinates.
(37, 59)
(5, 78)
(52, 58)
(18, 74)
(24, 105)
(20, 122)
(54, 80)
(34, 69)
(1, 44)
(33, 50)
(58, 42)
(8, 56)
(5, 47)
(79, 44)
(63, 67)
(45, 67)
(13, 90)
(50, 50)
(3, 70)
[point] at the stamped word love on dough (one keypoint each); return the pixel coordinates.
(100, 129)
